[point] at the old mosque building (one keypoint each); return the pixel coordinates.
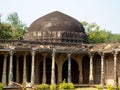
(56, 48)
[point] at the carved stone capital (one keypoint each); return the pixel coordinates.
(115, 52)
(91, 55)
(102, 54)
(53, 52)
(69, 55)
(11, 52)
(33, 52)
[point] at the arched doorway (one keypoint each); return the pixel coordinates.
(14, 68)
(1, 66)
(74, 71)
(48, 71)
(21, 68)
(97, 69)
(85, 67)
(28, 62)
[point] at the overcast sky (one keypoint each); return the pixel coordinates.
(105, 13)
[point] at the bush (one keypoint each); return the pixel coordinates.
(118, 87)
(53, 87)
(99, 87)
(110, 87)
(43, 87)
(70, 86)
(65, 85)
(62, 86)
(1, 86)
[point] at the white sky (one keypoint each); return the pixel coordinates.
(105, 13)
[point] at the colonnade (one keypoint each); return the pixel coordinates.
(91, 77)
(33, 52)
(32, 80)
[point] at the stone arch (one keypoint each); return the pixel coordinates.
(97, 68)
(85, 69)
(74, 70)
(48, 71)
(76, 59)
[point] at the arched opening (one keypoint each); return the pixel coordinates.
(109, 69)
(1, 66)
(28, 62)
(74, 71)
(7, 71)
(21, 68)
(48, 71)
(14, 68)
(85, 67)
(97, 69)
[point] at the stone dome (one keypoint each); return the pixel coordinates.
(56, 26)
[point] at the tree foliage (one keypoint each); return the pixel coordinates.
(13, 29)
(97, 35)
(5, 31)
(19, 28)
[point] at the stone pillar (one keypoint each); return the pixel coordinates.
(24, 68)
(17, 68)
(10, 79)
(91, 69)
(80, 73)
(4, 70)
(69, 68)
(102, 69)
(53, 67)
(33, 68)
(44, 68)
(115, 69)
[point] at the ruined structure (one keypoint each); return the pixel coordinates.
(56, 48)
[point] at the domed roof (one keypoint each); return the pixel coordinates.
(56, 21)
(57, 26)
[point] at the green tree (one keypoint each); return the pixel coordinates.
(89, 27)
(5, 31)
(95, 35)
(18, 27)
(108, 35)
(115, 38)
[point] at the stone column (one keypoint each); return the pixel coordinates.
(115, 69)
(53, 67)
(17, 68)
(24, 68)
(10, 79)
(33, 68)
(102, 69)
(44, 68)
(4, 70)
(69, 68)
(80, 71)
(91, 69)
